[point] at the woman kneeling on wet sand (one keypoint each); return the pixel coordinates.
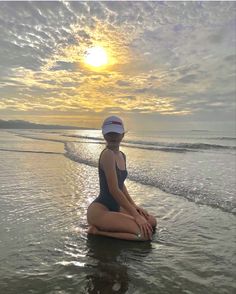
(113, 213)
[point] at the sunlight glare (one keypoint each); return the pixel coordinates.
(96, 56)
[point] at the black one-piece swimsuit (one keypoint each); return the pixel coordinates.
(105, 197)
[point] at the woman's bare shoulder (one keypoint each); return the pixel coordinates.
(107, 156)
(107, 152)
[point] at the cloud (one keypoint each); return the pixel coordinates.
(188, 79)
(62, 65)
(231, 58)
(123, 83)
(171, 58)
(130, 97)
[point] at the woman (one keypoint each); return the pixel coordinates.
(114, 213)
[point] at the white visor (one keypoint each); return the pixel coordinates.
(113, 124)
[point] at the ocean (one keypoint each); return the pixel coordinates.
(186, 179)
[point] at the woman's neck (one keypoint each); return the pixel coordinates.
(115, 149)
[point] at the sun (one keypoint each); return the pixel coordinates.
(96, 56)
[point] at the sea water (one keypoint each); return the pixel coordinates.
(49, 177)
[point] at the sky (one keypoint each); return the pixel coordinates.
(171, 65)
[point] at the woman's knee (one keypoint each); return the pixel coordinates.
(152, 220)
(144, 238)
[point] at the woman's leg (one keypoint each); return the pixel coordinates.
(116, 222)
(112, 224)
(125, 236)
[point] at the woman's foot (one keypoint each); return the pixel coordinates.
(92, 230)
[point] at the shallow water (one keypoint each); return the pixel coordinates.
(44, 247)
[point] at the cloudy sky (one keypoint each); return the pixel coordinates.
(170, 64)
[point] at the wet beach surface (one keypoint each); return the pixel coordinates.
(44, 247)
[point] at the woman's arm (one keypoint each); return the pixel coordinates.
(125, 191)
(139, 209)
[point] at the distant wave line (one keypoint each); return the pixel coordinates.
(41, 139)
(178, 147)
(155, 146)
(31, 151)
(222, 138)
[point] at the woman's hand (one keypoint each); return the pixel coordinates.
(142, 211)
(145, 227)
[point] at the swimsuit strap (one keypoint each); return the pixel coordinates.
(124, 156)
(100, 157)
